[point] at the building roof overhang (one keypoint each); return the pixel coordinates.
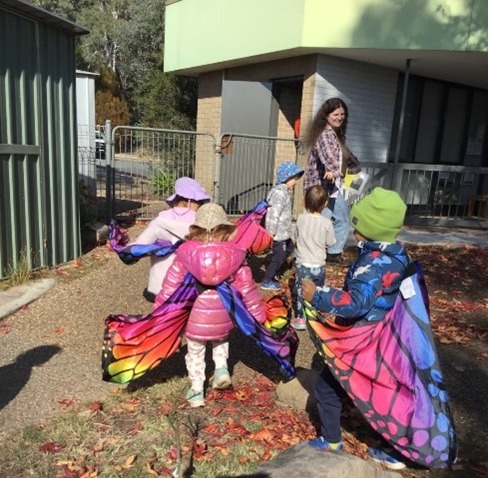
(464, 67)
(38, 13)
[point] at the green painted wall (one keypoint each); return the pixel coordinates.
(206, 32)
(210, 31)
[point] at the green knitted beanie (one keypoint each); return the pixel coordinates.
(379, 216)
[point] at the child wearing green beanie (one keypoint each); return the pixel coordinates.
(379, 216)
(369, 292)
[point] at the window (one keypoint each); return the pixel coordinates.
(443, 123)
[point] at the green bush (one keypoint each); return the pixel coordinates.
(163, 183)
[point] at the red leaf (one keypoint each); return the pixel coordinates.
(4, 329)
(165, 408)
(172, 453)
(95, 406)
(199, 448)
(51, 447)
(66, 402)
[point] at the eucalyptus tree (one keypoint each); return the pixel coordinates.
(127, 37)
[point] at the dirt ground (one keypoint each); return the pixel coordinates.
(70, 317)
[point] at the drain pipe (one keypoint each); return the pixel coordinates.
(396, 158)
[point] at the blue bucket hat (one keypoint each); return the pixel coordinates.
(287, 171)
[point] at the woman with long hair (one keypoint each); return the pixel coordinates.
(329, 160)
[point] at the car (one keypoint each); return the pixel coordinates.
(99, 145)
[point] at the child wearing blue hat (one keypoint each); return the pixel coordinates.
(278, 220)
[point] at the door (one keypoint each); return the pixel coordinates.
(247, 159)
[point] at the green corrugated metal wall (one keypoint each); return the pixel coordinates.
(38, 171)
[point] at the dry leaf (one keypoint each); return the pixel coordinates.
(130, 460)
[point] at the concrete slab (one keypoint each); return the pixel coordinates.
(16, 297)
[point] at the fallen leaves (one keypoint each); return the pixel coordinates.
(4, 328)
(260, 422)
(51, 447)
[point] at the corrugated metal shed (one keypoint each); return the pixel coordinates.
(39, 212)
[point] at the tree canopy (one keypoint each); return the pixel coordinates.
(126, 46)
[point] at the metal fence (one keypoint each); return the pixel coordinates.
(441, 194)
(140, 165)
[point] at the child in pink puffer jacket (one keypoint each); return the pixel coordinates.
(212, 255)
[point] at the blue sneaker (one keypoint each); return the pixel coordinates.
(195, 398)
(270, 285)
(389, 459)
(221, 378)
(321, 443)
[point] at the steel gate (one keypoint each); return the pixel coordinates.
(142, 165)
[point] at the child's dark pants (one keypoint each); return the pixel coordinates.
(328, 394)
(281, 250)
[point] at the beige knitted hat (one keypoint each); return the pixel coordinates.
(211, 215)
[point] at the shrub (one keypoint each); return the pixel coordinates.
(163, 183)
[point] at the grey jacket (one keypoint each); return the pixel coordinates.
(278, 216)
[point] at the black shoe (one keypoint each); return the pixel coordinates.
(334, 258)
(149, 296)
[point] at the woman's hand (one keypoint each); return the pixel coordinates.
(308, 289)
(329, 176)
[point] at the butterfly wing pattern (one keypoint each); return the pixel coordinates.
(256, 214)
(391, 371)
(280, 344)
(135, 344)
(131, 253)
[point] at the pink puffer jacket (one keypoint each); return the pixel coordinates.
(211, 264)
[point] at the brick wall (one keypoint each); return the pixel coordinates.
(210, 107)
(208, 121)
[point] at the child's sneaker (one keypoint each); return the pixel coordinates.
(195, 399)
(270, 285)
(299, 323)
(321, 443)
(390, 459)
(221, 378)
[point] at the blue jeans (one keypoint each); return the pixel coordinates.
(315, 274)
(340, 220)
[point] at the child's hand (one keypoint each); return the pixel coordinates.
(308, 289)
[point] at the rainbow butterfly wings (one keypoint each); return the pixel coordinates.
(391, 371)
(135, 344)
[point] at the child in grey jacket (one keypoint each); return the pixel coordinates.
(278, 221)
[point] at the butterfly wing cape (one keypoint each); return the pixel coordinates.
(249, 234)
(391, 371)
(279, 344)
(131, 253)
(134, 344)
